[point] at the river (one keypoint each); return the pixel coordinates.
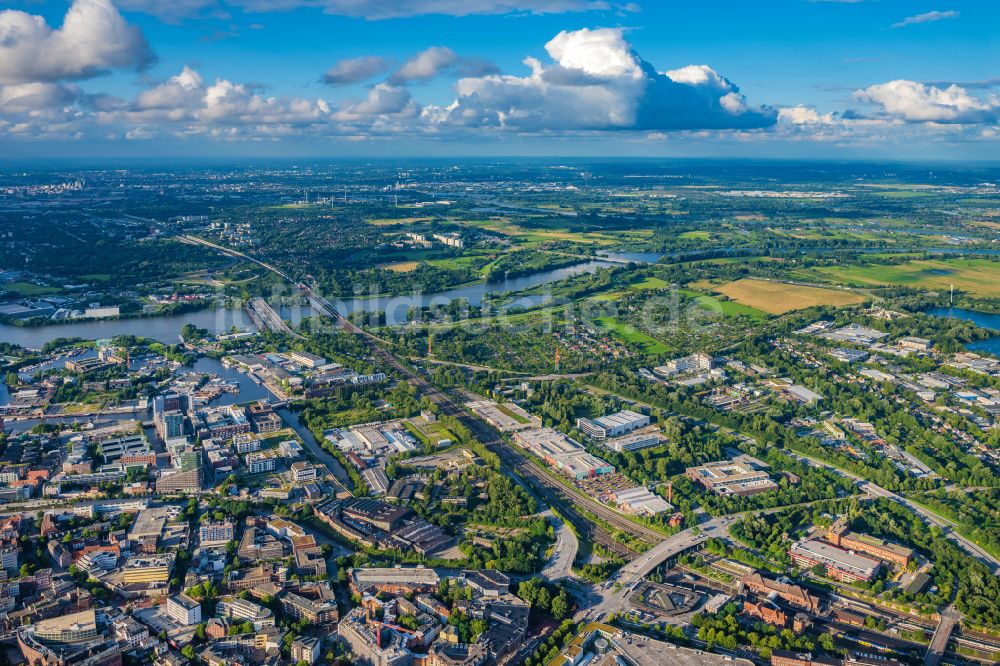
(167, 328)
(220, 320)
(981, 319)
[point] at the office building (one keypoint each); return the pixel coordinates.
(183, 610)
(838, 563)
(840, 536)
(613, 425)
(732, 477)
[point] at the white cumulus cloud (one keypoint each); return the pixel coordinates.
(917, 102)
(598, 82)
(93, 38)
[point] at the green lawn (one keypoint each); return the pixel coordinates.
(648, 344)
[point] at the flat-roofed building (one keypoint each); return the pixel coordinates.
(303, 472)
(641, 502)
(886, 551)
(244, 610)
(694, 363)
(183, 610)
(73, 628)
(914, 344)
(456, 654)
(839, 564)
(582, 465)
(393, 580)
(546, 443)
(305, 649)
(636, 441)
(148, 569)
(731, 477)
(215, 533)
(613, 425)
(314, 611)
(306, 359)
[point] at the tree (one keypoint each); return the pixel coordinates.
(188, 651)
(560, 605)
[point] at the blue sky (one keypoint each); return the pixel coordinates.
(783, 78)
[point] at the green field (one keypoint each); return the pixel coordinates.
(976, 276)
(28, 289)
(649, 283)
(727, 308)
(648, 344)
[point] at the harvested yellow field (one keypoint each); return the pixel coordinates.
(778, 297)
(401, 267)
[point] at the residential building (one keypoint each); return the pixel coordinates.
(215, 533)
(305, 649)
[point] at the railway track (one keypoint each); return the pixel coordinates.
(560, 497)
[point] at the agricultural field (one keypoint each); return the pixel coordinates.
(980, 277)
(779, 297)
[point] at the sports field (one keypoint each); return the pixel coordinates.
(976, 276)
(778, 297)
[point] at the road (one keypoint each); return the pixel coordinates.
(948, 527)
(560, 564)
(935, 651)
